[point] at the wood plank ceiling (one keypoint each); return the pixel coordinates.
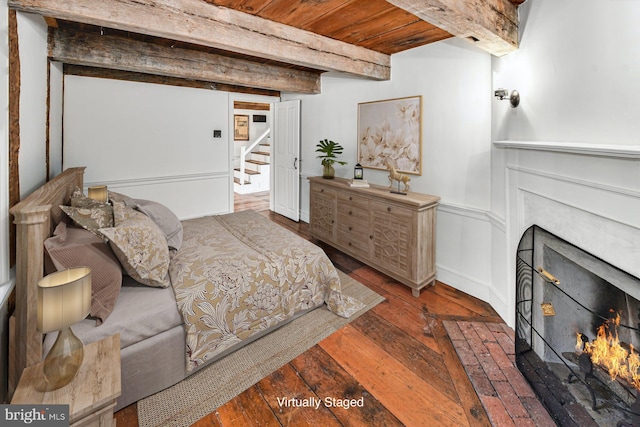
(373, 24)
(261, 46)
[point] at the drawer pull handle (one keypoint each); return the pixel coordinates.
(349, 212)
(371, 237)
(322, 190)
(350, 198)
(388, 208)
(350, 228)
(349, 243)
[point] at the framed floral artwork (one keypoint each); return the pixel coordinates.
(389, 131)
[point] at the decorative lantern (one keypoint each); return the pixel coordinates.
(357, 171)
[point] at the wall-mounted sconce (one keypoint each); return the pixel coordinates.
(514, 98)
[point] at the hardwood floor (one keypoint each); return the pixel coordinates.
(397, 358)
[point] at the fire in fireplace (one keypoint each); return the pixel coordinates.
(564, 295)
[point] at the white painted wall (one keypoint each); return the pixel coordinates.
(6, 284)
(4, 146)
(32, 34)
(577, 73)
(454, 80)
(150, 141)
(56, 87)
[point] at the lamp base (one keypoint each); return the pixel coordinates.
(64, 360)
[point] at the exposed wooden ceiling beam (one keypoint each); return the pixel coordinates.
(199, 22)
(131, 76)
(122, 53)
(492, 25)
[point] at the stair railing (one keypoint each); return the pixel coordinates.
(245, 151)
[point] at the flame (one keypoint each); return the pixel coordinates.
(607, 352)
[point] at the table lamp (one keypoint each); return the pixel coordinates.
(64, 298)
(98, 192)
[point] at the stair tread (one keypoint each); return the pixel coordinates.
(237, 181)
(257, 162)
(248, 171)
(263, 153)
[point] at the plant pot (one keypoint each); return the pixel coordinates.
(328, 172)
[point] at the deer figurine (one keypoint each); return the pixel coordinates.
(394, 175)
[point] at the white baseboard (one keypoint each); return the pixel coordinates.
(483, 291)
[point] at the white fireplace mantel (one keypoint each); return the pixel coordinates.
(587, 194)
(602, 150)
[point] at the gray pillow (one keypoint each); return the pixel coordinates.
(164, 218)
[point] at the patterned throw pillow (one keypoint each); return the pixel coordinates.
(88, 213)
(140, 246)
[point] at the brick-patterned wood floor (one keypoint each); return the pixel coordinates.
(444, 358)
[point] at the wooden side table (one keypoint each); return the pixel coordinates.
(91, 395)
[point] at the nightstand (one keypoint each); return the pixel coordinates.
(91, 395)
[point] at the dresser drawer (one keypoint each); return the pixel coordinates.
(322, 189)
(391, 209)
(351, 227)
(354, 239)
(352, 206)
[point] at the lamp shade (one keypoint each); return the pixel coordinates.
(64, 298)
(98, 192)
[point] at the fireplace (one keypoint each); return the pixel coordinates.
(563, 291)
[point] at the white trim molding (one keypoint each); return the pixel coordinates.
(587, 194)
(601, 150)
(188, 196)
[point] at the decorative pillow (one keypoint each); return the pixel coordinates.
(88, 213)
(139, 245)
(160, 214)
(75, 247)
(90, 219)
(165, 219)
(117, 197)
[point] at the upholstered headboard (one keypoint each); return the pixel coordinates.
(35, 217)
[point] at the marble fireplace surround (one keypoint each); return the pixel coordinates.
(586, 194)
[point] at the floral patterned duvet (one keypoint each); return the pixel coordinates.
(239, 274)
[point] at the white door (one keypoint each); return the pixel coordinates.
(286, 141)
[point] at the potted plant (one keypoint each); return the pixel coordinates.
(330, 151)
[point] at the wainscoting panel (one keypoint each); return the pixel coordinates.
(464, 252)
(188, 196)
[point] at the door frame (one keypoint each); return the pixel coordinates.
(235, 96)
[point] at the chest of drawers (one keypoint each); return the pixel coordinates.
(392, 233)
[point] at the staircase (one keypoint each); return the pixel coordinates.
(253, 175)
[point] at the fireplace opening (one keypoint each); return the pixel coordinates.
(566, 299)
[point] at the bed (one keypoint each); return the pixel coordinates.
(231, 279)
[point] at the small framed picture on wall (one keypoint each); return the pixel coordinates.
(240, 127)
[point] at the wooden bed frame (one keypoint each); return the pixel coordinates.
(35, 217)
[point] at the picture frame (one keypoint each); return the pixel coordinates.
(390, 130)
(240, 127)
